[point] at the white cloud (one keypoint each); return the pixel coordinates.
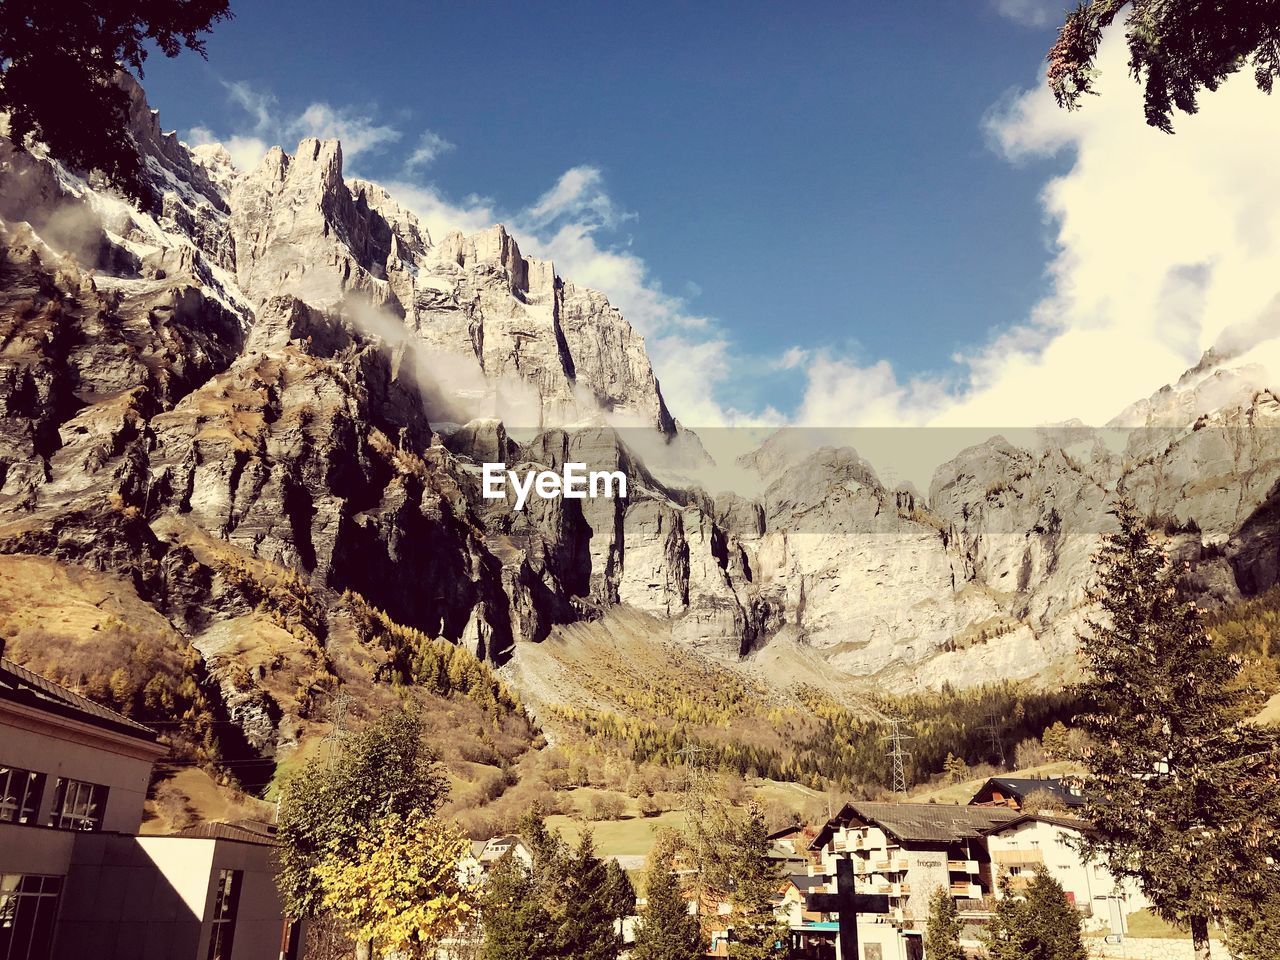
(578, 195)
(246, 151)
(430, 146)
(356, 128)
(357, 131)
(1031, 13)
(1163, 244)
(258, 104)
(440, 215)
(793, 358)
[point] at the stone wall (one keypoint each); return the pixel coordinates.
(1151, 949)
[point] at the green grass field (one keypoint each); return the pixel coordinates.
(1145, 925)
(618, 838)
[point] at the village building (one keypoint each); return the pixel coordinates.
(1047, 842)
(77, 881)
(1012, 792)
(483, 854)
(905, 851)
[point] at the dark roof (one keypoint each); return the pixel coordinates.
(786, 831)
(919, 822)
(241, 831)
(1023, 787)
(804, 883)
(20, 685)
(1062, 820)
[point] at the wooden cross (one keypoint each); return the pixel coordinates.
(847, 904)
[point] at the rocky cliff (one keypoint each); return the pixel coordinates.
(279, 374)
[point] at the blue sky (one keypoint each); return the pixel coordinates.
(819, 179)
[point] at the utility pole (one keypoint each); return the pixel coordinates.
(897, 755)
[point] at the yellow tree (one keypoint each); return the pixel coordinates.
(402, 889)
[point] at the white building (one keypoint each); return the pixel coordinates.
(77, 882)
(485, 853)
(906, 851)
(1035, 842)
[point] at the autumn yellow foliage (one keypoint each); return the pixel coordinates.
(403, 890)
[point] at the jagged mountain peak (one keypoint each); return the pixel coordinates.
(283, 364)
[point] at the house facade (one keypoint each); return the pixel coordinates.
(77, 881)
(905, 851)
(1047, 842)
(69, 768)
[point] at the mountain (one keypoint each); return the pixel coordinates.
(254, 416)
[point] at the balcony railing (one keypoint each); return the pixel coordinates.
(896, 863)
(962, 866)
(1017, 858)
(848, 842)
(893, 889)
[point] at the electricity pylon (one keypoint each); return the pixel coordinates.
(897, 754)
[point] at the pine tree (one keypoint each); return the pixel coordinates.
(955, 768)
(620, 895)
(1056, 742)
(667, 930)
(1042, 925)
(1253, 925)
(756, 930)
(1053, 922)
(587, 930)
(1183, 794)
(551, 861)
(942, 933)
(516, 924)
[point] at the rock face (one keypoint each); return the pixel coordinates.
(280, 370)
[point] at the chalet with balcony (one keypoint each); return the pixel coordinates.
(906, 851)
(1032, 843)
(1012, 792)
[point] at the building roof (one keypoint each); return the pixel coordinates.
(804, 883)
(23, 686)
(1022, 787)
(241, 831)
(918, 822)
(1062, 820)
(488, 851)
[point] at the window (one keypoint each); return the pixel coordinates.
(28, 907)
(226, 903)
(77, 805)
(20, 793)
